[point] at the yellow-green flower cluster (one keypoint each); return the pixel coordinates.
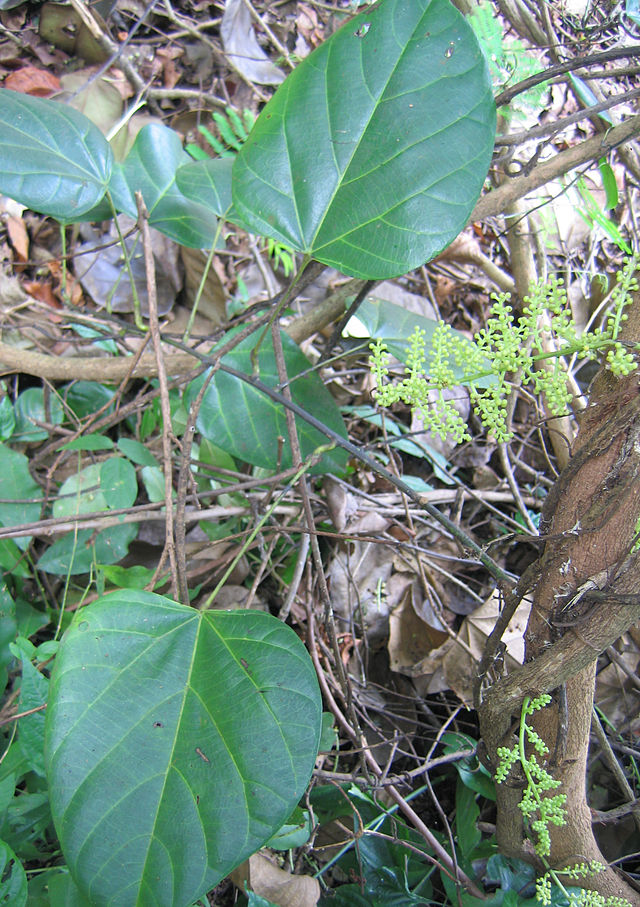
(505, 352)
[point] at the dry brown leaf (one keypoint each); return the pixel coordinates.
(453, 665)
(12, 292)
(18, 236)
(99, 266)
(460, 666)
(213, 301)
(267, 880)
(411, 637)
(99, 100)
(33, 81)
(167, 56)
(357, 575)
(61, 26)
(308, 26)
(43, 292)
(616, 691)
(341, 503)
(72, 289)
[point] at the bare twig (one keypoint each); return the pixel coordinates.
(576, 63)
(548, 129)
(112, 49)
(177, 584)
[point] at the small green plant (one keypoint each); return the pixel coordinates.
(282, 256)
(506, 352)
(234, 131)
(542, 810)
(593, 214)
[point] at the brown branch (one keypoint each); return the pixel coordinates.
(579, 647)
(547, 129)
(89, 368)
(614, 53)
(178, 585)
(592, 149)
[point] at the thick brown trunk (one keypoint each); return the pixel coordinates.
(587, 594)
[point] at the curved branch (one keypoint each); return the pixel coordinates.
(592, 149)
(614, 53)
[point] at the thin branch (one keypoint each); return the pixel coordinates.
(496, 201)
(614, 53)
(177, 584)
(558, 125)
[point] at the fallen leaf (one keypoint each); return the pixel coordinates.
(310, 31)
(18, 236)
(267, 880)
(213, 299)
(242, 48)
(460, 667)
(43, 292)
(72, 290)
(61, 26)
(99, 100)
(103, 274)
(357, 576)
(342, 504)
(411, 635)
(36, 82)
(170, 74)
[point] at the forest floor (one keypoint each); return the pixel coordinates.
(412, 608)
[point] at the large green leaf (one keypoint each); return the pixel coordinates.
(373, 152)
(13, 880)
(177, 743)
(150, 168)
(79, 552)
(246, 423)
(52, 158)
(208, 182)
(20, 494)
(33, 695)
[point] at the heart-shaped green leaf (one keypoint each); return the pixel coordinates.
(373, 152)
(19, 493)
(79, 552)
(246, 423)
(52, 158)
(150, 168)
(177, 742)
(207, 181)
(118, 483)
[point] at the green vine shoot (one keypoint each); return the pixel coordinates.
(542, 809)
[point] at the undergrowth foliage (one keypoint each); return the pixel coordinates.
(234, 768)
(510, 352)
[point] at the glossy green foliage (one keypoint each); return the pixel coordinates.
(208, 182)
(150, 168)
(52, 158)
(178, 741)
(369, 157)
(373, 152)
(249, 425)
(17, 485)
(13, 880)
